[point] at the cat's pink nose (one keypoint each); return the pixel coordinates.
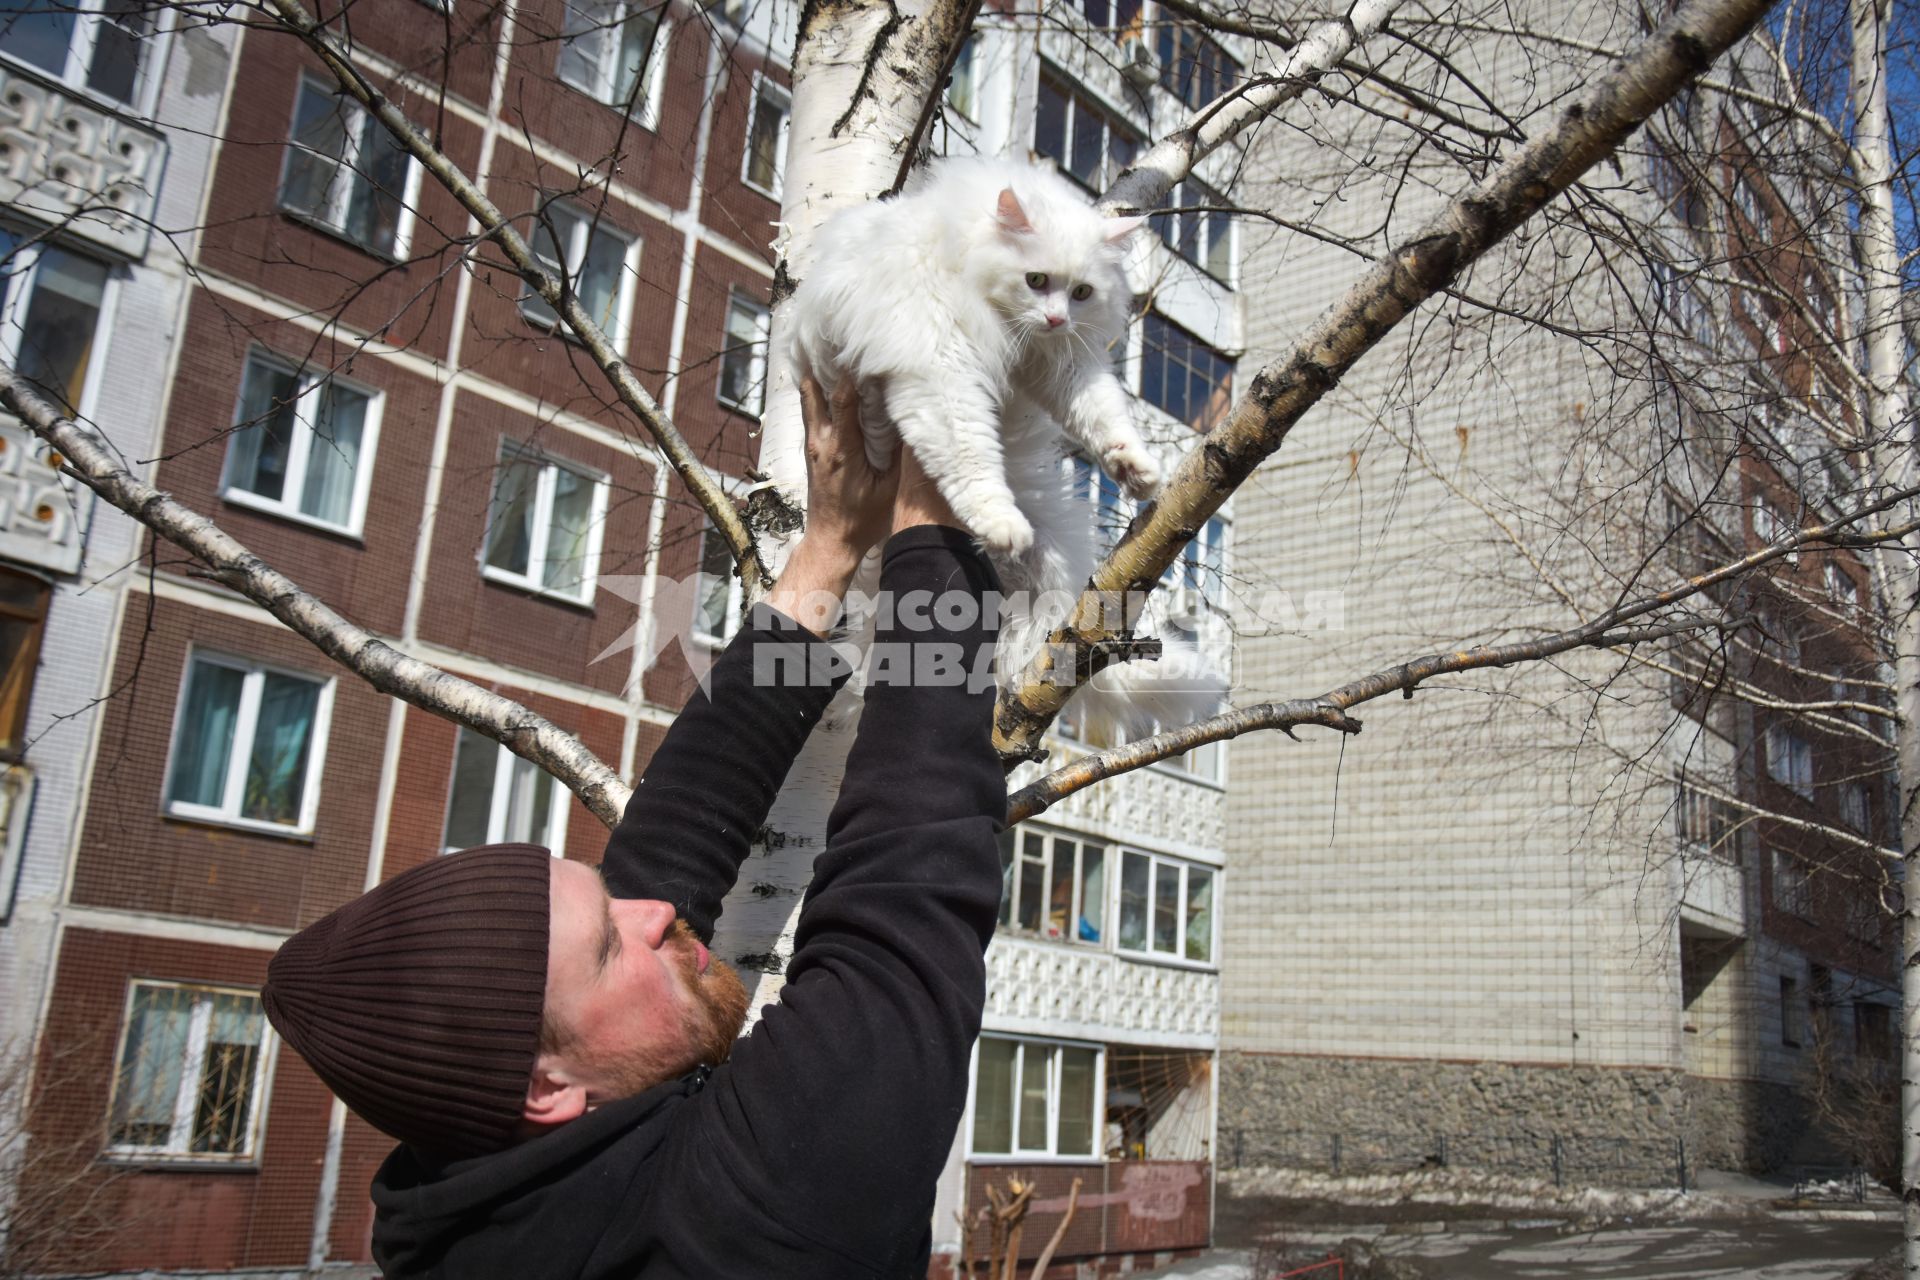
(1054, 322)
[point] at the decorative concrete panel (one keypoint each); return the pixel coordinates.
(39, 507)
(67, 161)
(1052, 989)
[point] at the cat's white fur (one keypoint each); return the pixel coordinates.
(953, 306)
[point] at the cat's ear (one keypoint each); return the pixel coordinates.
(1013, 218)
(1118, 229)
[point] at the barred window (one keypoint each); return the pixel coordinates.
(1054, 886)
(1193, 68)
(1182, 375)
(1034, 1097)
(1091, 145)
(190, 1074)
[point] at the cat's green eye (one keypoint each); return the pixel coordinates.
(1081, 292)
(1036, 279)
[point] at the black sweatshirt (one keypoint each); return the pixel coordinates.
(814, 1151)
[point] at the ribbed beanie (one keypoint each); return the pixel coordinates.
(419, 1003)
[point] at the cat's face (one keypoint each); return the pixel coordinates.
(1058, 277)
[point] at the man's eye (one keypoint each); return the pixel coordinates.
(1036, 279)
(1081, 292)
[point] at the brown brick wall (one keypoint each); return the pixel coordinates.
(160, 1216)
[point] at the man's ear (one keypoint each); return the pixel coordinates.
(553, 1096)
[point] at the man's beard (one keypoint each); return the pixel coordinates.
(709, 1025)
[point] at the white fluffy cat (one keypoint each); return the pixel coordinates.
(976, 311)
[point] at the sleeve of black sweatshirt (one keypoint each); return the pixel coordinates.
(693, 814)
(837, 1114)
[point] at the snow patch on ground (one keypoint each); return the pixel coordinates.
(1505, 1192)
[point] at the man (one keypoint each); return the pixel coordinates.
(552, 1046)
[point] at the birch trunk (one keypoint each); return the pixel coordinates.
(1891, 436)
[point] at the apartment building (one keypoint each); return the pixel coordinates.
(1586, 920)
(415, 442)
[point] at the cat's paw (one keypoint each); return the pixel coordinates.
(1004, 530)
(1133, 468)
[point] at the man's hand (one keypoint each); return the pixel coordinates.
(850, 508)
(919, 501)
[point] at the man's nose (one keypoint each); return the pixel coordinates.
(652, 918)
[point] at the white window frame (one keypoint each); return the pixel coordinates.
(500, 803)
(227, 812)
(179, 1140)
(736, 591)
(300, 451)
(647, 102)
(763, 90)
(340, 190)
(1790, 760)
(530, 581)
(1076, 906)
(1178, 956)
(756, 351)
(80, 49)
(1843, 590)
(24, 268)
(1184, 194)
(580, 232)
(1027, 1155)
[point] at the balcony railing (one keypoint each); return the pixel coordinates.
(70, 162)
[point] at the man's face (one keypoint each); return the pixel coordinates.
(633, 995)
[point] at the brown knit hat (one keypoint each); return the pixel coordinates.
(419, 1003)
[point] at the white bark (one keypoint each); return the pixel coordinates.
(1892, 442)
(92, 462)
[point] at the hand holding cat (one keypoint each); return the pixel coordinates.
(849, 503)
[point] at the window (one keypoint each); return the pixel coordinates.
(23, 616)
(1193, 68)
(1035, 1098)
(1790, 760)
(1200, 570)
(1747, 197)
(592, 260)
(1706, 822)
(963, 91)
(190, 1074)
(91, 43)
(766, 159)
(1054, 886)
(1203, 238)
(345, 172)
(1166, 907)
(1121, 17)
(498, 798)
(610, 50)
(1769, 526)
(717, 592)
(1872, 1030)
(1087, 140)
(1856, 807)
(301, 445)
(1843, 590)
(51, 300)
(543, 525)
(743, 360)
(1792, 890)
(248, 745)
(1792, 1013)
(1183, 376)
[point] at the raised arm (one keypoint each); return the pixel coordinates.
(708, 788)
(838, 1112)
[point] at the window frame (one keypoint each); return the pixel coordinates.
(736, 595)
(765, 88)
(1026, 1155)
(755, 352)
(1193, 191)
(1051, 838)
(14, 727)
(543, 526)
(340, 191)
(24, 265)
(499, 800)
(1790, 887)
(649, 93)
(1171, 30)
(84, 42)
(580, 233)
(199, 1020)
(1178, 956)
(1151, 317)
(1785, 751)
(1080, 98)
(246, 716)
(299, 454)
